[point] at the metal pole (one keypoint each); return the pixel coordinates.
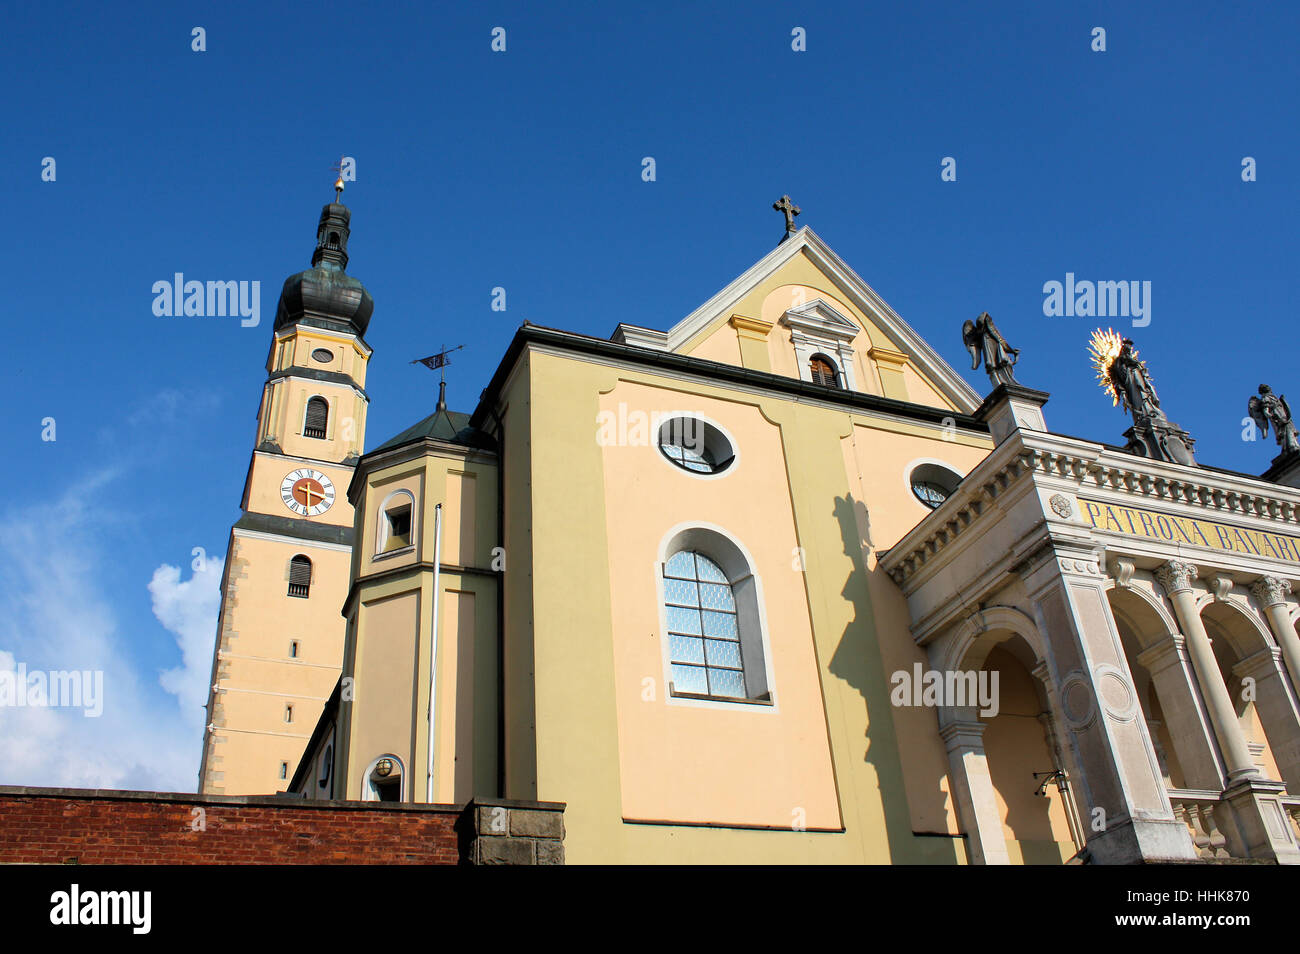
(433, 644)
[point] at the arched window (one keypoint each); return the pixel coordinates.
(382, 781)
(396, 522)
(299, 576)
(711, 605)
(823, 371)
(318, 413)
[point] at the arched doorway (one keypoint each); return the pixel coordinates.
(1028, 778)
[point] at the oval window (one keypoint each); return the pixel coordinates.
(932, 484)
(323, 355)
(695, 446)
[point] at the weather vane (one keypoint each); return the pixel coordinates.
(439, 361)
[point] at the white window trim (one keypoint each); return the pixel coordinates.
(381, 528)
(368, 794)
(666, 656)
(907, 477)
(692, 416)
(819, 327)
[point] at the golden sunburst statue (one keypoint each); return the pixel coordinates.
(1104, 348)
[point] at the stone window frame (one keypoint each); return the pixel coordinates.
(818, 327)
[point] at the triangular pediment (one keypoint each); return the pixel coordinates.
(885, 328)
(821, 317)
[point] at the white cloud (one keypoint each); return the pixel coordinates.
(188, 609)
(59, 617)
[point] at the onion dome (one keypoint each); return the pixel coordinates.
(325, 295)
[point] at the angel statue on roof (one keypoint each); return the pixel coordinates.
(1272, 408)
(985, 343)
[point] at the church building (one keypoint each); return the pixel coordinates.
(773, 585)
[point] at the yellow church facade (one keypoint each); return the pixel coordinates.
(577, 694)
(714, 588)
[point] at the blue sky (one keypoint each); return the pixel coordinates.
(522, 170)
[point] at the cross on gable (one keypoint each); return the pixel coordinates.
(789, 210)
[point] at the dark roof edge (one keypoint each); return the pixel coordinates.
(293, 527)
(714, 370)
(329, 712)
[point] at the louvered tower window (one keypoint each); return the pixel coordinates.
(823, 371)
(299, 576)
(318, 412)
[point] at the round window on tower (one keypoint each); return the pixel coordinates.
(323, 355)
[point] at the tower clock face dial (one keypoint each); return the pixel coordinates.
(308, 493)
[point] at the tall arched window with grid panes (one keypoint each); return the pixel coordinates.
(706, 658)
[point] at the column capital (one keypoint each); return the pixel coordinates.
(1270, 590)
(1176, 576)
(962, 735)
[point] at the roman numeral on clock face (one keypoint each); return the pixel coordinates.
(307, 492)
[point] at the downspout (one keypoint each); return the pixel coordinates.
(501, 604)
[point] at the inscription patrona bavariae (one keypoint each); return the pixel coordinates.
(1193, 530)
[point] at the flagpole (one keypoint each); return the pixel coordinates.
(433, 646)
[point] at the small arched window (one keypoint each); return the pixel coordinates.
(317, 417)
(823, 371)
(396, 522)
(383, 780)
(299, 576)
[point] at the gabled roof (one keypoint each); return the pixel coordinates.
(901, 335)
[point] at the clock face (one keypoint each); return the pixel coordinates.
(308, 493)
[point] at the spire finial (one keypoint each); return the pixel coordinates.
(338, 180)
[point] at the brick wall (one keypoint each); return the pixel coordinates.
(78, 826)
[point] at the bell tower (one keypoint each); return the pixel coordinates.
(280, 633)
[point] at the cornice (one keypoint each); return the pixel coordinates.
(1081, 467)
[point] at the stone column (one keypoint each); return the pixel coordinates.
(1272, 593)
(1277, 710)
(1189, 729)
(1176, 577)
(1255, 823)
(972, 790)
(1126, 813)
